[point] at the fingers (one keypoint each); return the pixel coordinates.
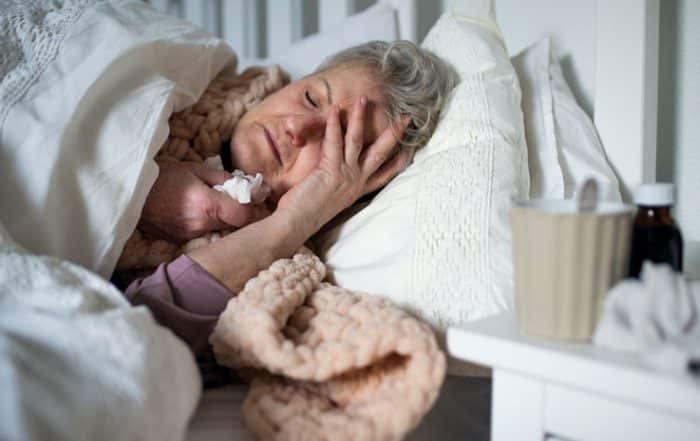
(389, 169)
(382, 149)
(209, 175)
(333, 138)
(354, 138)
(228, 212)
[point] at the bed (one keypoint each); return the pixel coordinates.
(621, 101)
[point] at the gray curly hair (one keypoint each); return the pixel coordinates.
(414, 82)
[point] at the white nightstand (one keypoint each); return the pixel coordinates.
(577, 391)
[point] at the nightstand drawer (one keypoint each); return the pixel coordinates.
(577, 414)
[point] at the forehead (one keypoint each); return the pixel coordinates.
(347, 85)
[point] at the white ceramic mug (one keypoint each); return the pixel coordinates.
(565, 261)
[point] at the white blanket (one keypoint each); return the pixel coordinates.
(86, 90)
(77, 362)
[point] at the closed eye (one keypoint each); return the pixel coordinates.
(308, 98)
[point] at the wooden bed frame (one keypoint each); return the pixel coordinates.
(624, 35)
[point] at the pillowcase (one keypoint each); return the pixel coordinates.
(84, 106)
(378, 22)
(436, 240)
(563, 145)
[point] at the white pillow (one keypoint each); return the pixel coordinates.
(378, 22)
(563, 145)
(84, 106)
(436, 240)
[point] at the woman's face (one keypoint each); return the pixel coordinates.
(281, 137)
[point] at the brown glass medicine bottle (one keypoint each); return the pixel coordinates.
(655, 235)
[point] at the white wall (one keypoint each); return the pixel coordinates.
(542, 21)
(678, 157)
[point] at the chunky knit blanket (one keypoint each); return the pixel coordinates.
(197, 133)
(326, 363)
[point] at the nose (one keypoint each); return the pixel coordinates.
(304, 128)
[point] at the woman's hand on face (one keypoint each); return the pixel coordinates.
(182, 205)
(346, 171)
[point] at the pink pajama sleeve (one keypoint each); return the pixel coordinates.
(184, 297)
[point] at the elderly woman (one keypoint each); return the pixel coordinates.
(321, 143)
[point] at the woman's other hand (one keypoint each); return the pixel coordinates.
(346, 170)
(182, 205)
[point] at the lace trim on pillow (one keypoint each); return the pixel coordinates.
(31, 34)
(452, 272)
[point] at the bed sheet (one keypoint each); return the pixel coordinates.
(462, 412)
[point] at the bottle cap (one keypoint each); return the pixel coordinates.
(654, 195)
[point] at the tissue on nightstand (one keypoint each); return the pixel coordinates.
(657, 317)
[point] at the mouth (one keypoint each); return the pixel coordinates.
(271, 143)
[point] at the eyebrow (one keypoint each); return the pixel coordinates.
(329, 95)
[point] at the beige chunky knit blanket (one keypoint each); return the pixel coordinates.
(326, 363)
(197, 133)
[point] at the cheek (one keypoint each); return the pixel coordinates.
(305, 163)
(240, 149)
(243, 151)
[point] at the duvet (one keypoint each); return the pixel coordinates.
(86, 88)
(77, 362)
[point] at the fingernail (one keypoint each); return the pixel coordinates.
(363, 101)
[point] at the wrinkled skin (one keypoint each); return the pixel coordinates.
(318, 151)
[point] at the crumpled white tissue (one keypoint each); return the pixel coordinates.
(242, 187)
(657, 316)
(245, 188)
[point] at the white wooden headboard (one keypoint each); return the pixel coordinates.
(256, 28)
(610, 51)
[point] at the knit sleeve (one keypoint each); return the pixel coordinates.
(183, 297)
